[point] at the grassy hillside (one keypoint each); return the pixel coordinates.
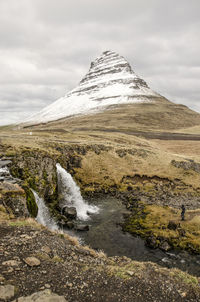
(118, 152)
(161, 115)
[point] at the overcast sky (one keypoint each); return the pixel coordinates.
(46, 47)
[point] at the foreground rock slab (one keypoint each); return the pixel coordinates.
(7, 292)
(42, 296)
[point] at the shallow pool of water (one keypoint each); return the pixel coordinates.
(106, 234)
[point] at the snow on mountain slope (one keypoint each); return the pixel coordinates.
(110, 81)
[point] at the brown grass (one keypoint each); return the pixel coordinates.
(108, 168)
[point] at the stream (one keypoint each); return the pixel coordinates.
(105, 234)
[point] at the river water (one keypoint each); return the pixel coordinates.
(105, 234)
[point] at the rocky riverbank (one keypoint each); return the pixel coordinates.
(162, 227)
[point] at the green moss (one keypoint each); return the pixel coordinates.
(10, 153)
(56, 258)
(184, 278)
(30, 199)
(45, 175)
(19, 223)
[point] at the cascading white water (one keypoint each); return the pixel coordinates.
(71, 195)
(4, 171)
(43, 216)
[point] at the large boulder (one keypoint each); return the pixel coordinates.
(151, 242)
(164, 246)
(172, 225)
(7, 292)
(82, 227)
(69, 212)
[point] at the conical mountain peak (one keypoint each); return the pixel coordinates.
(109, 81)
(109, 63)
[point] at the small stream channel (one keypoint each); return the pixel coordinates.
(105, 234)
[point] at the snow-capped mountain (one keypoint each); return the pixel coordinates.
(110, 81)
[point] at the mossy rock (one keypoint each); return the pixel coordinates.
(31, 204)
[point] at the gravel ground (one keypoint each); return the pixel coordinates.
(33, 259)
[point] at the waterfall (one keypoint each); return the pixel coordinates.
(43, 216)
(71, 195)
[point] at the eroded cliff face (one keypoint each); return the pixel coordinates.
(13, 200)
(100, 169)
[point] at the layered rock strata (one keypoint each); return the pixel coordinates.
(110, 81)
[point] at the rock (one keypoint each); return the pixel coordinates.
(10, 270)
(11, 263)
(151, 242)
(70, 224)
(69, 212)
(62, 221)
(25, 236)
(181, 232)
(82, 227)
(126, 215)
(7, 292)
(14, 198)
(187, 165)
(172, 225)
(47, 285)
(42, 296)
(46, 249)
(130, 273)
(165, 260)
(164, 246)
(2, 278)
(32, 261)
(4, 163)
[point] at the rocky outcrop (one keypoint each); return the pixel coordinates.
(12, 195)
(13, 198)
(160, 190)
(36, 170)
(187, 165)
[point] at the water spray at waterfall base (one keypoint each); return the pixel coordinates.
(71, 195)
